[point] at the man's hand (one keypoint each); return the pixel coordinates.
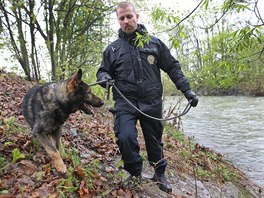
(190, 95)
(107, 79)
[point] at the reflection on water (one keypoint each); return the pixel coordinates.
(232, 126)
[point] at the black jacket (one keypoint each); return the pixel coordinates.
(136, 71)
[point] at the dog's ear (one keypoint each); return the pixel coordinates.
(79, 74)
(74, 81)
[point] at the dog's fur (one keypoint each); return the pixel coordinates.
(47, 107)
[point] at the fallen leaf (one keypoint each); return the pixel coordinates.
(109, 169)
(7, 196)
(27, 166)
(43, 191)
(80, 171)
(83, 190)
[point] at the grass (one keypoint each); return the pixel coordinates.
(202, 173)
(11, 125)
(2, 161)
(178, 135)
(69, 185)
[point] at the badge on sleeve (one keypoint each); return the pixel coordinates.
(151, 59)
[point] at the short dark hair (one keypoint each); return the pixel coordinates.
(125, 4)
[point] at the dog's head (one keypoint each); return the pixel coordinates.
(80, 94)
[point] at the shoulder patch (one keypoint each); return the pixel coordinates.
(114, 48)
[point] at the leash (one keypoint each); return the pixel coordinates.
(97, 82)
(184, 112)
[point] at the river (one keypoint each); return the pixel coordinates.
(232, 126)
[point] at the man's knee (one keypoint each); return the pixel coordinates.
(126, 138)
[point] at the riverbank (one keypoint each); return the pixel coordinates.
(93, 159)
(233, 126)
(243, 91)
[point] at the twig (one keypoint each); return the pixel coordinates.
(182, 19)
(217, 20)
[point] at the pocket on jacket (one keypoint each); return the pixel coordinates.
(153, 92)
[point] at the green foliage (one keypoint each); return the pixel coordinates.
(169, 87)
(141, 39)
(167, 18)
(226, 173)
(17, 155)
(220, 56)
(246, 38)
(227, 65)
(68, 186)
(169, 129)
(90, 77)
(202, 173)
(162, 15)
(2, 161)
(206, 3)
(75, 157)
(3, 192)
(185, 153)
(91, 171)
(36, 146)
(120, 164)
(212, 156)
(72, 35)
(237, 5)
(8, 143)
(11, 124)
(81, 35)
(39, 175)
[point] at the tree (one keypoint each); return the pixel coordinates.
(18, 45)
(1, 26)
(209, 40)
(72, 31)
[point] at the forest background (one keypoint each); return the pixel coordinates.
(219, 44)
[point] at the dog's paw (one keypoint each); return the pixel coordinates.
(60, 166)
(62, 169)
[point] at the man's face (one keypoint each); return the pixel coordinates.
(127, 18)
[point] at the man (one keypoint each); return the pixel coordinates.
(136, 72)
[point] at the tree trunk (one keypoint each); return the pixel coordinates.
(33, 43)
(50, 34)
(21, 54)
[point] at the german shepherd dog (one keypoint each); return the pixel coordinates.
(47, 107)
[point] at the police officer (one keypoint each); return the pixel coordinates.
(136, 71)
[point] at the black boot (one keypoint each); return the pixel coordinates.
(163, 183)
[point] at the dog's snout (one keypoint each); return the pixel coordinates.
(96, 102)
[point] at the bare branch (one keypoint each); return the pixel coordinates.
(257, 13)
(182, 19)
(251, 56)
(218, 19)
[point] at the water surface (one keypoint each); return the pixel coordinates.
(232, 126)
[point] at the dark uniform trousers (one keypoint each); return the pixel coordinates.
(126, 133)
